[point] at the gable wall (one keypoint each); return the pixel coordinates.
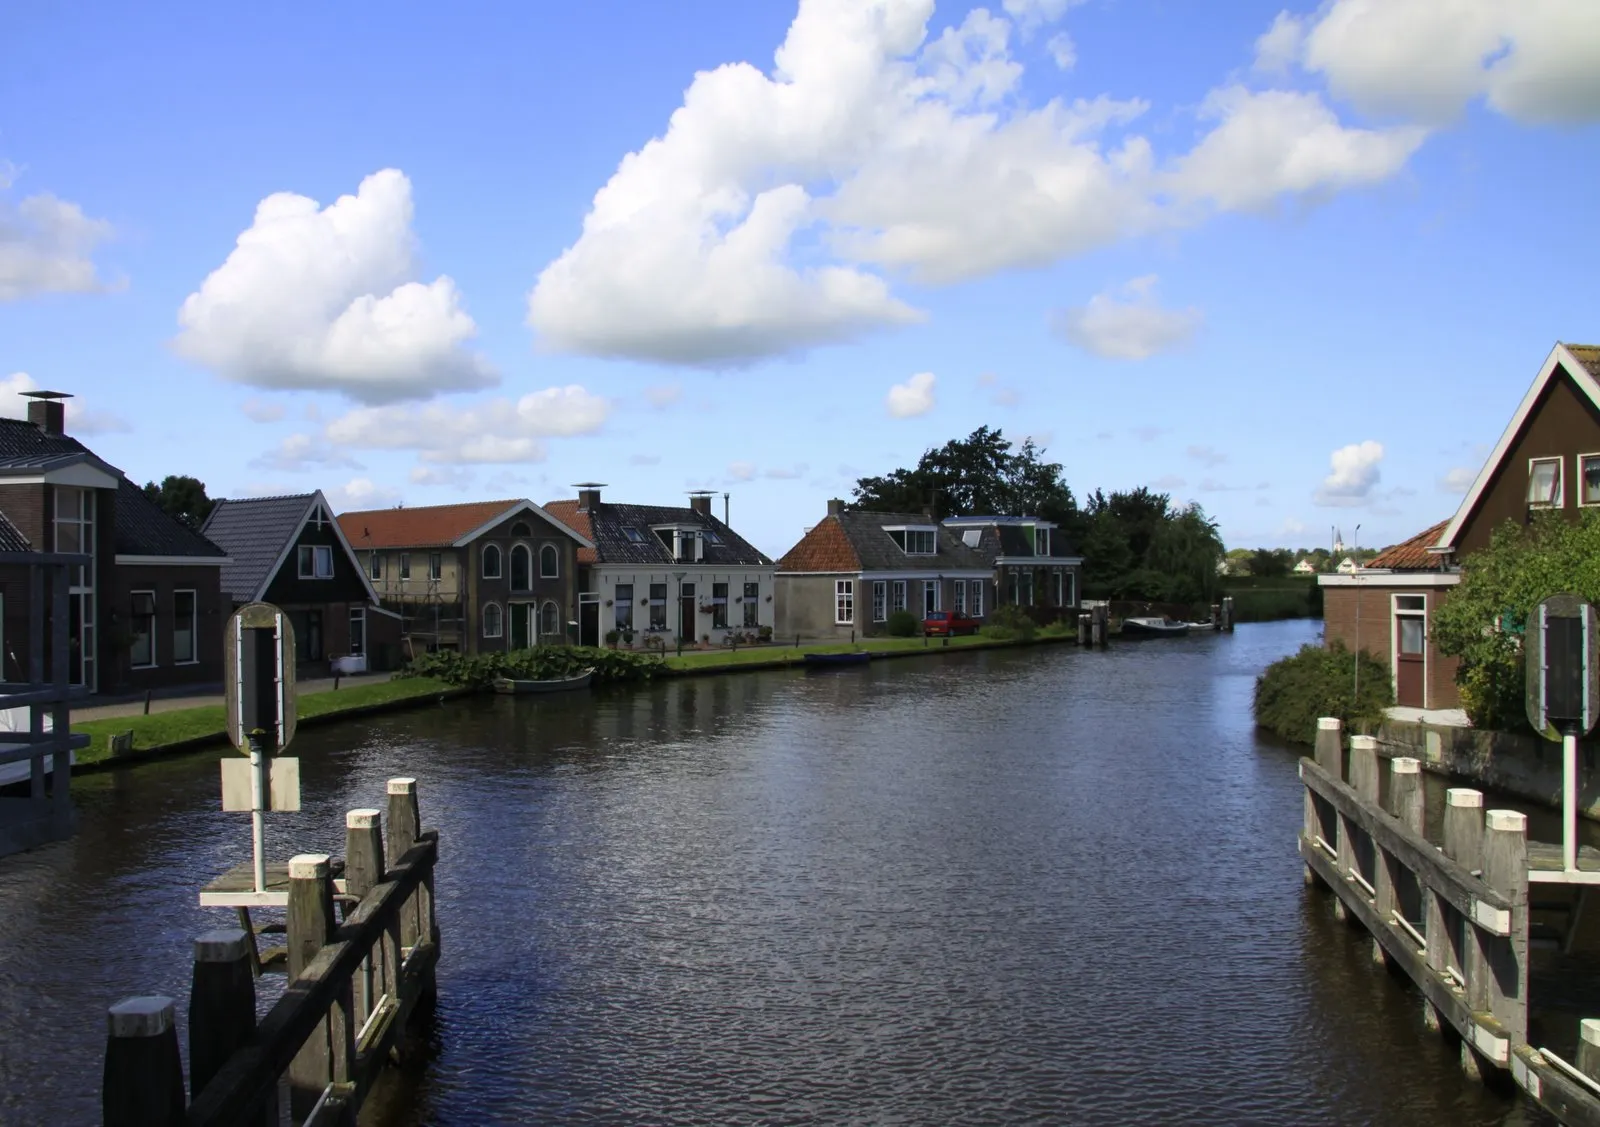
(288, 589)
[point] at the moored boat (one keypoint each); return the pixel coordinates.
(830, 661)
(512, 686)
(1153, 628)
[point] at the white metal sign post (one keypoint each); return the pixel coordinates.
(259, 656)
(1563, 676)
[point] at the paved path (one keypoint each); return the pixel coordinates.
(170, 704)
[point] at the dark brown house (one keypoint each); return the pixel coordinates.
(289, 551)
(1547, 460)
(147, 613)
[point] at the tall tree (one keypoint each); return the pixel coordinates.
(982, 474)
(181, 497)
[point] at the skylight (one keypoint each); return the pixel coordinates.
(633, 534)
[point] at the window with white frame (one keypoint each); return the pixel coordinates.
(142, 628)
(549, 562)
(880, 601)
(315, 561)
(405, 566)
(844, 601)
(1544, 483)
(915, 541)
(1589, 479)
(930, 596)
(375, 565)
(75, 532)
(623, 606)
(185, 626)
(719, 606)
(435, 565)
(658, 606)
(492, 624)
(549, 620)
(976, 610)
(491, 561)
(1041, 541)
(898, 592)
(960, 593)
(1070, 598)
(521, 567)
(633, 534)
(1060, 585)
(752, 604)
(358, 630)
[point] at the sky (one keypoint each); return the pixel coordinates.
(1297, 265)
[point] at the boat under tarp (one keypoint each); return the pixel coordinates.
(1149, 627)
(833, 661)
(512, 686)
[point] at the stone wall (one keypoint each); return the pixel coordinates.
(1522, 765)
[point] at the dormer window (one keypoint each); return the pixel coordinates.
(1041, 541)
(1544, 483)
(915, 541)
(685, 544)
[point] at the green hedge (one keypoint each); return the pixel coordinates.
(1008, 623)
(1294, 693)
(541, 663)
(903, 624)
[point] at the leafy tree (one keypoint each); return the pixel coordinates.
(982, 474)
(181, 497)
(1271, 563)
(1292, 694)
(1482, 621)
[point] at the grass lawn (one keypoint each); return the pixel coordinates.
(162, 729)
(719, 657)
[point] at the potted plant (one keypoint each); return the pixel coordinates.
(627, 637)
(764, 633)
(611, 638)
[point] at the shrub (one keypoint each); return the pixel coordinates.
(1013, 620)
(541, 663)
(1292, 694)
(903, 624)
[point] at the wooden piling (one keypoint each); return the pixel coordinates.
(1463, 827)
(1364, 767)
(1505, 869)
(1085, 631)
(222, 1003)
(1405, 792)
(363, 851)
(311, 927)
(1589, 1048)
(1329, 745)
(143, 1081)
(405, 819)
(1227, 615)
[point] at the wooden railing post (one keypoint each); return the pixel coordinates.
(143, 1081)
(405, 825)
(1364, 767)
(363, 871)
(222, 1005)
(1589, 1048)
(311, 927)
(1497, 979)
(1405, 792)
(1330, 746)
(1463, 828)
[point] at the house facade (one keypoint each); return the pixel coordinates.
(481, 577)
(1547, 460)
(146, 614)
(1033, 565)
(667, 572)
(854, 569)
(289, 551)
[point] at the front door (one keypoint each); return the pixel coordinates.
(521, 623)
(588, 620)
(686, 611)
(1410, 660)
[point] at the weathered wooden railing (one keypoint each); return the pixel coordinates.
(1454, 915)
(353, 988)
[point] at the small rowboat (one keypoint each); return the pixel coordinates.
(1153, 628)
(513, 687)
(833, 661)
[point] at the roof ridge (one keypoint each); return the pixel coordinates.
(427, 508)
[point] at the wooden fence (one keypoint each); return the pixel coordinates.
(354, 987)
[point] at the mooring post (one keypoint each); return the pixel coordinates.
(1589, 1047)
(1405, 792)
(363, 871)
(1227, 614)
(1216, 616)
(311, 927)
(405, 824)
(1083, 629)
(222, 1003)
(1505, 869)
(143, 1081)
(1463, 827)
(1364, 768)
(1329, 745)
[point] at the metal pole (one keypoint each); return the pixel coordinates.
(1569, 802)
(258, 804)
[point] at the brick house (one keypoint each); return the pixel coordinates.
(477, 577)
(855, 568)
(1034, 565)
(147, 614)
(289, 551)
(1547, 459)
(664, 570)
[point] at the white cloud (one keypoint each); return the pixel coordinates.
(1537, 61)
(47, 245)
(1130, 327)
(494, 431)
(1279, 46)
(1212, 485)
(1458, 480)
(298, 453)
(322, 298)
(80, 420)
(1355, 474)
(453, 476)
(1168, 481)
(1291, 527)
(912, 398)
(663, 395)
(361, 493)
(262, 410)
(1031, 14)
(742, 471)
(1274, 142)
(1063, 51)
(1206, 455)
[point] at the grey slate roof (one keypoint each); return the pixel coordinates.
(11, 540)
(144, 529)
(879, 552)
(607, 521)
(1010, 538)
(254, 533)
(24, 447)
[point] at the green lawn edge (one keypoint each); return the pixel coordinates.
(782, 657)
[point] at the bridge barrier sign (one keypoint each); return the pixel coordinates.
(1562, 650)
(258, 687)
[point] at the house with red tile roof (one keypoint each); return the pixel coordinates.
(476, 577)
(1547, 460)
(665, 572)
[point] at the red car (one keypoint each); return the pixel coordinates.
(949, 622)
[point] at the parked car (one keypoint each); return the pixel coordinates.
(949, 622)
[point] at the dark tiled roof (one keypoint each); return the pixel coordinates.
(873, 549)
(1008, 537)
(1588, 355)
(606, 523)
(254, 533)
(12, 540)
(144, 528)
(23, 446)
(427, 526)
(1412, 554)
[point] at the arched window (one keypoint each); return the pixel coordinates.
(521, 529)
(521, 567)
(491, 620)
(549, 620)
(491, 561)
(549, 562)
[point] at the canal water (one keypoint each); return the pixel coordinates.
(1050, 886)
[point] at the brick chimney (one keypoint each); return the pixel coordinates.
(588, 495)
(835, 506)
(47, 410)
(700, 502)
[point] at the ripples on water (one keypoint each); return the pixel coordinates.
(1042, 887)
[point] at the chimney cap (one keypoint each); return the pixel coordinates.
(45, 394)
(702, 492)
(588, 485)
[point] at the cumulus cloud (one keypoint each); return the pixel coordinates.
(453, 476)
(81, 420)
(1355, 475)
(1206, 455)
(301, 452)
(771, 213)
(495, 431)
(1128, 324)
(1063, 51)
(1536, 61)
(323, 298)
(1458, 480)
(262, 410)
(361, 493)
(47, 245)
(912, 398)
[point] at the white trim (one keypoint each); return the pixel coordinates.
(171, 561)
(194, 626)
(500, 623)
(394, 614)
(1009, 522)
(1039, 561)
(81, 476)
(312, 548)
(1559, 356)
(556, 574)
(1560, 501)
(499, 563)
(294, 540)
(514, 510)
(843, 589)
(1381, 579)
(933, 528)
(155, 615)
(1395, 615)
(511, 562)
(1582, 504)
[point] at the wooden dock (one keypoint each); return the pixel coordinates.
(1495, 938)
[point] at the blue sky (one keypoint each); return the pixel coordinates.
(1232, 251)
